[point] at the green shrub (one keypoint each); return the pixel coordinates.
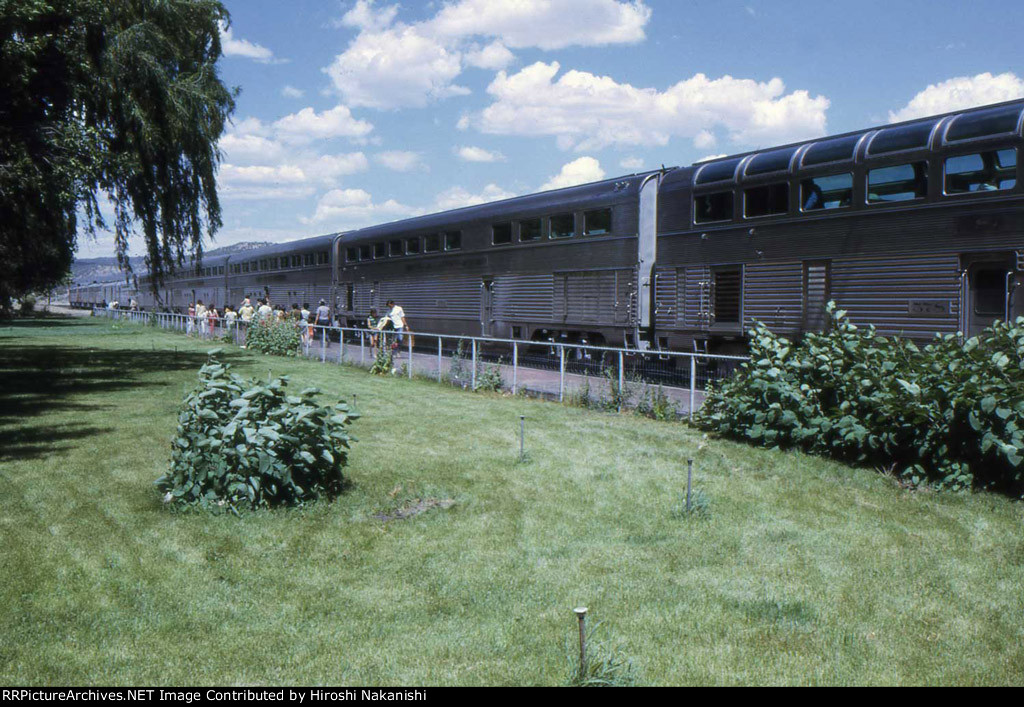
(270, 336)
(28, 304)
(488, 378)
(245, 444)
(384, 363)
(950, 414)
(655, 404)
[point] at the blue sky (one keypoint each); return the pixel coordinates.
(356, 112)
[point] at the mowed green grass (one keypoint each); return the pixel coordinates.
(805, 572)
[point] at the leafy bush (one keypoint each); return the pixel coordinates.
(488, 378)
(950, 414)
(384, 363)
(245, 444)
(271, 336)
(655, 404)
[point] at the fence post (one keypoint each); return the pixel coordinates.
(693, 383)
(408, 337)
(474, 363)
(341, 345)
(439, 359)
(323, 345)
(621, 379)
(362, 348)
(561, 372)
(515, 366)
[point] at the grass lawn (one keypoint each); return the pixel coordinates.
(804, 572)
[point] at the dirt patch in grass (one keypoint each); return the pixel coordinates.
(414, 508)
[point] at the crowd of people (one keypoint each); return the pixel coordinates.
(203, 320)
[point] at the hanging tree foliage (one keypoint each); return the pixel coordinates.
(107, 99)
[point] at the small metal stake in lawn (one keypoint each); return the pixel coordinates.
(522, 437)
(689, 482)
(581, 616)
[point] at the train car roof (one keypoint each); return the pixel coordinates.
(312, 243)
(565, 198)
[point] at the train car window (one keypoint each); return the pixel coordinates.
(597, 222)
(395, 248)
(841, 148)
(529, 230)
(351, 255)
(501, 233)
(906, 137)
(769, 200)
(708, 208)
(412, 246)
(774, 161)
(563, 226)
(325, 257)
(265, 264)
(981, 172)
(245, 267)
(380, 250)
(431, 244)
(364, 252)
(990, 292)
(307, 259)
(297, 261)
(453, 240)
(983, 123)
(717, 171)
(834, 191)
(901, 182)
(220, 270)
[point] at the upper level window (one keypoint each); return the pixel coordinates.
(501, 233)
(597, 222)
(769, 200)
(265, 264)
(380, 250)
(981, 172)
(563, 226)
(901, 182)
(220, 269)
(717, 171)
(708, 208)
(835, 150)
(431, 244)
(905, 137)
(245, 266)
(834, 191)
(364, 252)
(395, 248)
(307, 259)
(529, 230)
(351, 255)
(412, 246)
(453, 240)
(774, 161)
(982, 123)
(323, 257)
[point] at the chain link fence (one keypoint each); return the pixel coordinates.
(658, 383)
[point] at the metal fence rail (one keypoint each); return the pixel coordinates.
(661, 382)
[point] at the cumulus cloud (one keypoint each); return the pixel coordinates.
(631, 163)
(458, 197)
(469, 153)
(584, 111)
(392, 64)
(352, 208)
(402, 161)
(581, 171)
(959, 93)
(292, 92)
(308, 125)
(233, 46)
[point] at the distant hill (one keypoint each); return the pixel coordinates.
(88, 270)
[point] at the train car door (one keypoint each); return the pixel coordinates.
(486, 307)
(989, 293)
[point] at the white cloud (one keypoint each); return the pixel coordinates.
(458, 197)
(392, 64)
(308, 125)
(469, 153)
(581, 171)
(292, 92)
(352, 208)
(708, 158)
(250, 148)
(546, 24)
(960, 93)
(631, 163)
(243, 48)
(704, 140)
(396, 67)
(588, 112)
(402, 161)
(494, 56)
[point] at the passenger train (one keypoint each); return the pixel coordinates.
(915, 227)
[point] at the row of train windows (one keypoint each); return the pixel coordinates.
(434, 243)
(282, 263)
(597, 222)
(979, 172)
(205, 272)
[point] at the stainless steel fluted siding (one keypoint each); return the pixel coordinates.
(524, 298)
(666, 292)
(773, 294)
(879, 291)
